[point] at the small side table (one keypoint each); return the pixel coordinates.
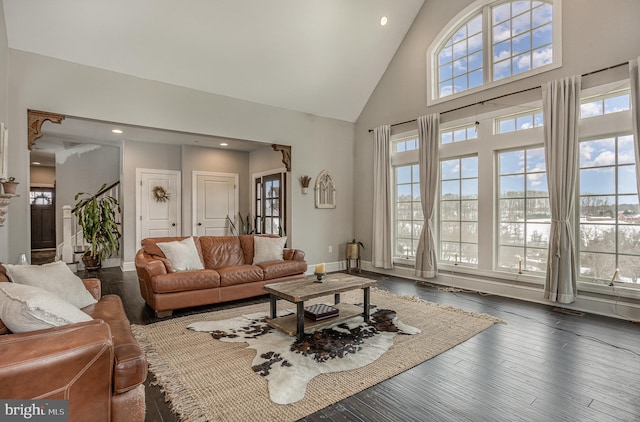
(357, 259)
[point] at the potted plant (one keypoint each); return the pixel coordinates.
(353, 249)
(97, 217)
(9, 185)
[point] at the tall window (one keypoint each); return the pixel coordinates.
(609, 213)
(459, 210)
(408, 211)
(498, 42)
(460, 59)
(522, 37)
(523, 210)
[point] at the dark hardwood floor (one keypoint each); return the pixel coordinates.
(542, 365)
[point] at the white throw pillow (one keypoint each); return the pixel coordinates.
(267, 249)
(56, 278)
(26, 308)
(183, 255)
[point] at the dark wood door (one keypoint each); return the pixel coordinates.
(43, 220)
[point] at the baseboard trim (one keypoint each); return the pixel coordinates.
(615, 307)
(128, 266)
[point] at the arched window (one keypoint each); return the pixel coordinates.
(493, 42)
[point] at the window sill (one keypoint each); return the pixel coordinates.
(494, 274)
(617, 290)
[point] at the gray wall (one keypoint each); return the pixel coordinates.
(147, 156)
(4, 98)
(42, 176)
(596, 35)
(44, 83)
(213, 160)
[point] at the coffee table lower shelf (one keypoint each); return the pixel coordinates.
(287, 324)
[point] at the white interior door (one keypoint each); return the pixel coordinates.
(159, 200)
(215, 198)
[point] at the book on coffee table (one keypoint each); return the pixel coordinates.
(320, 311)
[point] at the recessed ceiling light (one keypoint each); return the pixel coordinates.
(383, 21)
(224, 144)
(118, 131)
(36, 163)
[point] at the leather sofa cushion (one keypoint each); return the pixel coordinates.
(240, 274)
(221, 251)
(279, 269)
(185, 281)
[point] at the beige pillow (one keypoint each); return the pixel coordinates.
(26, 308)
(268, 249)
(182, 254)
(56, 278)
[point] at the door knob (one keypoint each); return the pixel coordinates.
(199, 224)
(173, 224)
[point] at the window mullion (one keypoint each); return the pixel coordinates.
(487, 57)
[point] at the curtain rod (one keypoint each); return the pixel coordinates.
(507, 95)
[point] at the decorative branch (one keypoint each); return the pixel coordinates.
(304, 181)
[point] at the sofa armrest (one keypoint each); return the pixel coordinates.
(151, 266)
(73, 362)
(293, 254)
(94, 287)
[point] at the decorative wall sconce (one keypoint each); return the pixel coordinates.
(305, 181)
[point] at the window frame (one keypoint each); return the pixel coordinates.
(458, 258)
(615, 223)
(522, 266)
(461, 19)
(400, 159)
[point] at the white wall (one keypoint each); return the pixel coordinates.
(48, 84)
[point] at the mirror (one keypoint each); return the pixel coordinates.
(325, 190)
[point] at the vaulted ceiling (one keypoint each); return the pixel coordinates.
(322, 57)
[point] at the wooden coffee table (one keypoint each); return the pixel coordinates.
(299, 291)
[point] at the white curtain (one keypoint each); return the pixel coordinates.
(634, 79)
(561, 107)
(429, 161)
(382, 199)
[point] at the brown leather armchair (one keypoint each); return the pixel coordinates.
(97, 365)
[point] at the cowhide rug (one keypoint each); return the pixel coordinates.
(289, 365)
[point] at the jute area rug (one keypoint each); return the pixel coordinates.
(210, 380)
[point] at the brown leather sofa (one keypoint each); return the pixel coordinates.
(228, 273)
(96, 365)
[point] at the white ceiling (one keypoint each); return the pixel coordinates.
(322, 57)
